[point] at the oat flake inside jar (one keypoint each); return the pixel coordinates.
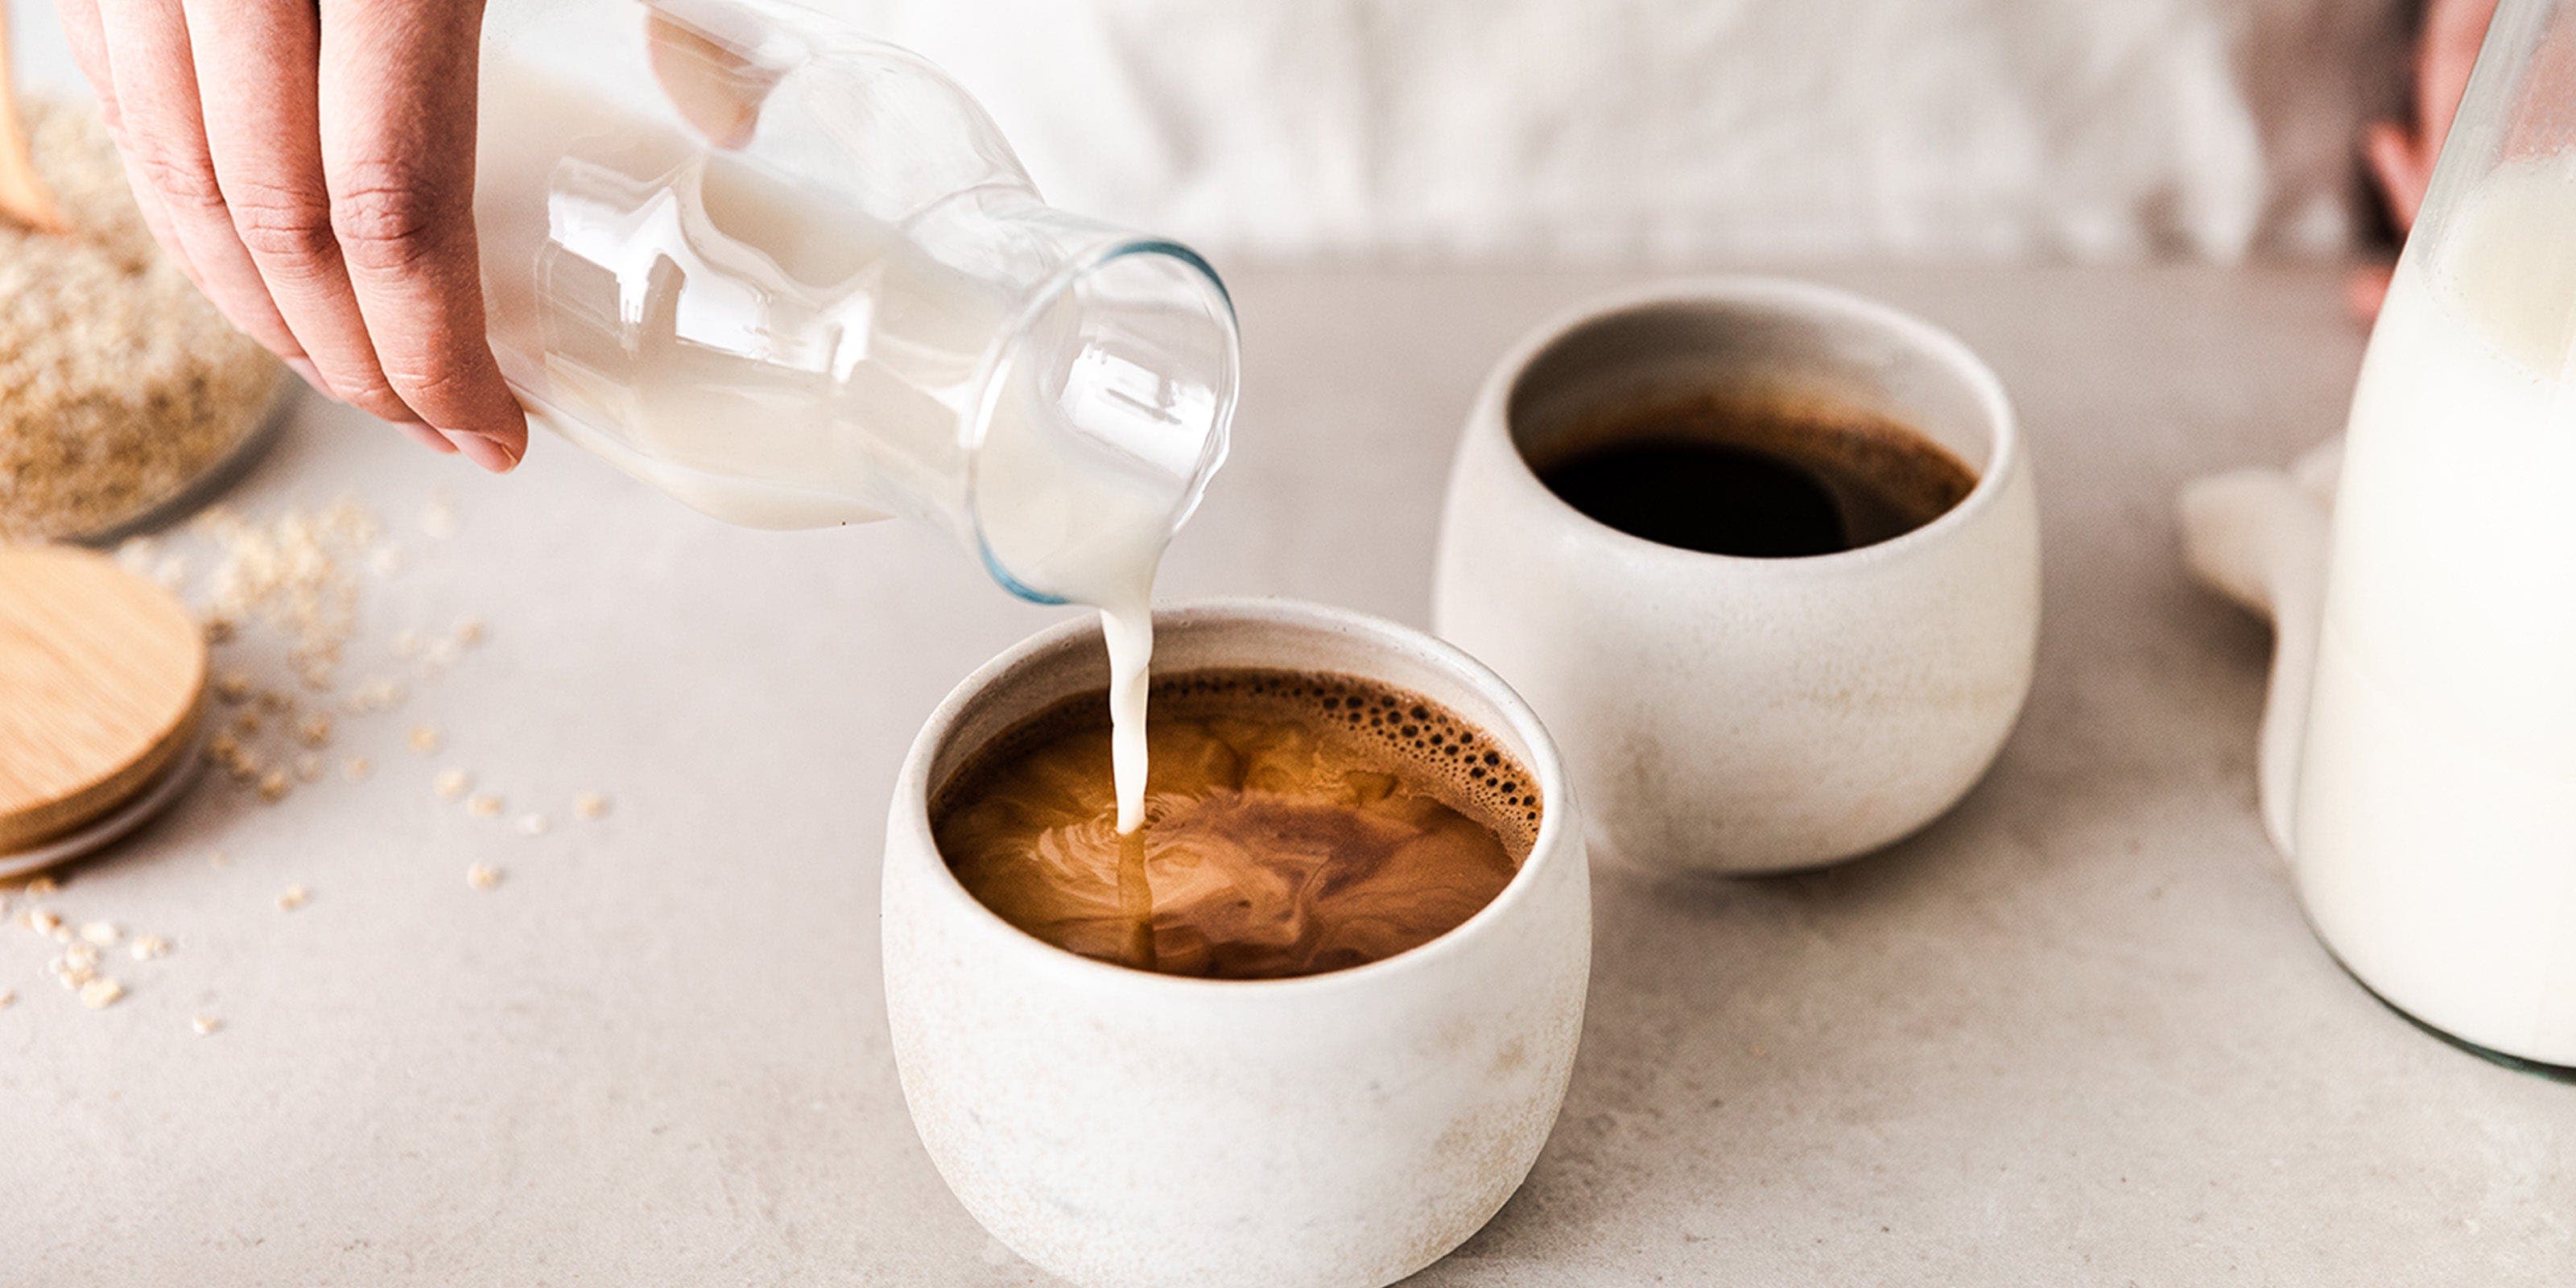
(122, 390)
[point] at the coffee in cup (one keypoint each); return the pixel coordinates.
(1755, 474)
(1765, 557)
(1340, 1128)
(1295, 823)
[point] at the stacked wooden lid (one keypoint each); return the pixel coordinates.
(102, 692)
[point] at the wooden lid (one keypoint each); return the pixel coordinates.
(104, 677)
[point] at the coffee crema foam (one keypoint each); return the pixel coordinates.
(1295, 823)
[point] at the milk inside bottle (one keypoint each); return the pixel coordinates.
(795, 278)
(2435, 824)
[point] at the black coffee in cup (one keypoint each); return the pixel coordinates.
(1758, 476)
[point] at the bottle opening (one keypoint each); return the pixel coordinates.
(1105, 417)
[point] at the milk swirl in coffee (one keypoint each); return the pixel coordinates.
(1294, 824)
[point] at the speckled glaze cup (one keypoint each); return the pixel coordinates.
(1743, 715)
(1118, 1127)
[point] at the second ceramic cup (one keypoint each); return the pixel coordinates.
(1732, 714)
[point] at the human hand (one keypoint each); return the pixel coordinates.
(2401, 159)
(311, 167)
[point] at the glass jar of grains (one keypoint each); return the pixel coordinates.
(123, 392)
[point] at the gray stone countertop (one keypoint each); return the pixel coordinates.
(2075, 1032)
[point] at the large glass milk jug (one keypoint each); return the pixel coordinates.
(2434, 826)
(794, 277)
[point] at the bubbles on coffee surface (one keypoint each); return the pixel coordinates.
(1294, 824)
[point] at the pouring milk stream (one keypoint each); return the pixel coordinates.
(795, 278)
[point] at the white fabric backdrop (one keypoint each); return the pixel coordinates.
(1672, 129)
(1661, 130)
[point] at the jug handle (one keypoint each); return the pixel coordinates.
(2259, 537)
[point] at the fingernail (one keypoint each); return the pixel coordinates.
(426, 437)
(486, 452)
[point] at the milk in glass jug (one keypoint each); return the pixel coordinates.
(2433, 819)
(794, 277)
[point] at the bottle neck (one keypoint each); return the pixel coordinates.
(1104, 406)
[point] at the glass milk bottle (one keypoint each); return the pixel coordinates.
(2434, 826)
(794, 277)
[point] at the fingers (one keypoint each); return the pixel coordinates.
(164, 144)
(2402, 160)
(2366, 290)
(255, 68)
(83, 31)
(427, 437)
(2401, 165)
(397, 139)
(79, 21)
(2453, 32)
(213, 107)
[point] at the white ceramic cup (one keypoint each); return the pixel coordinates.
(1746, 715)
(1118, 1127)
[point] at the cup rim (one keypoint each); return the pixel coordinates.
(1493, 407)
(1549, 848)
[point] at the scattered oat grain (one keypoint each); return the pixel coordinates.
(438, 519)
(149, 948)
(205, 1025)
(274, 785)
(43, 921)
(101, 933)
(482, 876)
(101, 993)
(377, 694)
(233, 686)
(484, 806)
(425, 739)
(451, 784)
(469, 632)
(590, 805)
(534, 825)
(358, 768)
(43, 885)
(7, 997)
(316, 729)
(293, 897)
